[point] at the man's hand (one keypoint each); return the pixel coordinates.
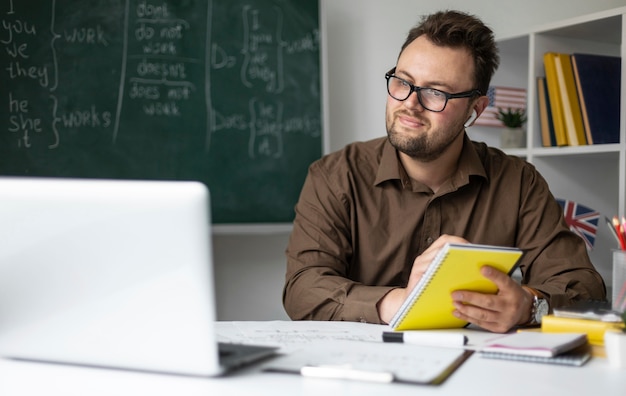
(391, 302)
(511, 306)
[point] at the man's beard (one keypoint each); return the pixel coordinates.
(423, 147)
(417, 147)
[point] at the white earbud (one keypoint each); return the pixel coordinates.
(471, 119)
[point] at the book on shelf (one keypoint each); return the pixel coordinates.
(545, 114)
(574, 127)
(556, 103)
(598, 78)
(594, 329)
(455, 267)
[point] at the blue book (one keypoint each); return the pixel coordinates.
(598, 79)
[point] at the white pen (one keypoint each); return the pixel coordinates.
(346, 372)
(423, 337)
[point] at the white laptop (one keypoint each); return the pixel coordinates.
(110, 273)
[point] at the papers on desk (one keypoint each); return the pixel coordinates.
(350, 350)
(290, 336)
(356, 351)
(372, 361)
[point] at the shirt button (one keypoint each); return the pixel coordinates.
(429, 240)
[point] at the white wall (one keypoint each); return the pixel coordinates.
(363, 40)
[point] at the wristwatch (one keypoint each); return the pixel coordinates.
(539, 308)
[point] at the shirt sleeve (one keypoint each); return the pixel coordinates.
(556, 261)
(318, 283)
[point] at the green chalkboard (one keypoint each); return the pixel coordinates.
(222, 91)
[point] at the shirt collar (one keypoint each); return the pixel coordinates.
(470, 163)
(390, 166)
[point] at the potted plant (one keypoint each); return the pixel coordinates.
(513, 134)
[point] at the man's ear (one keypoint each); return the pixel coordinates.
(471, 119)
(479, 106)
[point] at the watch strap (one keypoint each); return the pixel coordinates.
(537, 296)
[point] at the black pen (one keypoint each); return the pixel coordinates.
(434, 338)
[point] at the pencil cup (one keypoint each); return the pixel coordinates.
(619, 280)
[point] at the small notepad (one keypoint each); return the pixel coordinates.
(575, 357)
(534, 343)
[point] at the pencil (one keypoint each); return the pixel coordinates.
(620, 233)
(609, 223)
(620, 300)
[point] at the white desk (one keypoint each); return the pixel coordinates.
(477, 376)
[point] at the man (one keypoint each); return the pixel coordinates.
(372, 216)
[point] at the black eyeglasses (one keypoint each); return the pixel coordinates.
(431, 99)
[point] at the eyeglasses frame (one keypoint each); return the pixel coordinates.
(416, 89)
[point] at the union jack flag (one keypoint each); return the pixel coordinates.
(581, 220)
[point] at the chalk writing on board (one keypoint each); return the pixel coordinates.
(156, 74)
(222, 91)
(263, 47)
(156, 77)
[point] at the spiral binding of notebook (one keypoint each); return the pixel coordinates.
(575, 357)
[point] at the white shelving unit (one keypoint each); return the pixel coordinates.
(593, 175)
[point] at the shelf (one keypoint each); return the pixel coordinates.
(594, 175)
(604, 30)
(577, 150)
(566, 150)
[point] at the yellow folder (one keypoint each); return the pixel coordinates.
(594, 329)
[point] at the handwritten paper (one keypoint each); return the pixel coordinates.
(290, 336)
(400, 362)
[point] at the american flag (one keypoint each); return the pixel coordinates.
(504, 98)
(581, 220)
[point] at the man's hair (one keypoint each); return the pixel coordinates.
(460, 30)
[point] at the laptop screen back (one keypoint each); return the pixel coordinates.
(107, 273)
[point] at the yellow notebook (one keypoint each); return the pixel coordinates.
(593, 328)
(456, 267)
